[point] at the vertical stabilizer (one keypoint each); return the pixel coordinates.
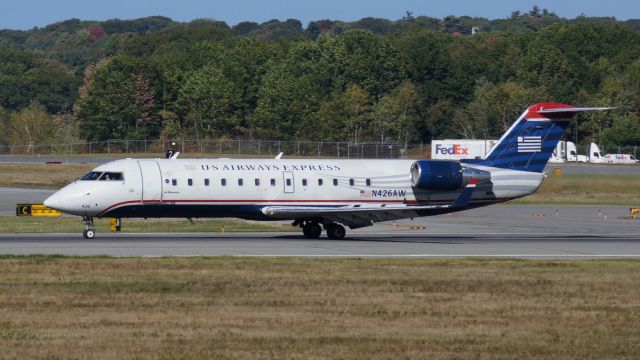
(531, 140)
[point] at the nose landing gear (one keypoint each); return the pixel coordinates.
(89, 229)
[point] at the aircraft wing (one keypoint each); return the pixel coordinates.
(361, 215)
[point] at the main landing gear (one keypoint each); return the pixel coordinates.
(335, 231)
(313, 230)
(89, 229)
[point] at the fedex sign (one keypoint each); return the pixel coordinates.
(455, 149)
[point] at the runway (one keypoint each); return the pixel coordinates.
(549, 246)
(519, 231)
(9, 197)
(513, 231)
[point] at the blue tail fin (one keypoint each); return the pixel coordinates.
(531, 140)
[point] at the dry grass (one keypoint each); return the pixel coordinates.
(52, 176)
(588, 189)
(201, 308)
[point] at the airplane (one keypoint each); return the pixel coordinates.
(320, 193)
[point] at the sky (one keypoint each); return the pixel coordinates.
(26, 14)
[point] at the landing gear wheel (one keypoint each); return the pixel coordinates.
(89, 228)
(312, 230)
(336, 231)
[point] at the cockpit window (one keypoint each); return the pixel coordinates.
(93, 175)
(111, 176)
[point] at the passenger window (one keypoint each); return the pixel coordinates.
(304, 182)
(273, 182)
(206, 182)
(93, 175)
(174, 182)
(190, 182)
(335, 182)
(368, 182)
(240, 182)
(257, 182)
(223, 182)
(351, 182)
(288, 182)
(319, 182)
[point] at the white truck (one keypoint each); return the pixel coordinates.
(456, 149)
(620, 159)
(595, 155)
(566, 151)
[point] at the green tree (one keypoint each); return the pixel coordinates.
(397, 114)
(361, 58)
(4, 126)
(428, 63)
(495, 108)
(291, 92)
(548, 67)
(31, 126)
(208, 94)
(344, 117)
(67, 129)
(25, 77)
(117, 102)
(624, 131)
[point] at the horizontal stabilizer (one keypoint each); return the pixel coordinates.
(575, 109)
(568, 112)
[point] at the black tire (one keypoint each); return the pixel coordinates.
(89, 233)
(336, 232)
(312, 230)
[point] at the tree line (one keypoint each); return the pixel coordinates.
(409, 80)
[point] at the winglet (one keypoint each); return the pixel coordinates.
(175, 155)
(465, 196)
(279, 156)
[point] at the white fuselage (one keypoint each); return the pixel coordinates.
(240, 187)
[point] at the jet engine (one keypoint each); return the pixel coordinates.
(444, 175)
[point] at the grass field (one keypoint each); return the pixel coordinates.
(239, 308)
(587, 189)
(569, 189)
(47, 176)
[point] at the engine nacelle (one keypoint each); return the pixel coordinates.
(444, 175)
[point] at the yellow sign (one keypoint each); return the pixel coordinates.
(23, 210)
(115, 224)
(36, 210)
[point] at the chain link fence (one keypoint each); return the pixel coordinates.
(259, 148)
(228, 147)
(612, 149)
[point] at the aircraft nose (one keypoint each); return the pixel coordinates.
(56, 202)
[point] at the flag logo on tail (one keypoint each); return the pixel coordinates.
(529, 143)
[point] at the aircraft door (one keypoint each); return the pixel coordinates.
(288, 181)
(151, 180)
